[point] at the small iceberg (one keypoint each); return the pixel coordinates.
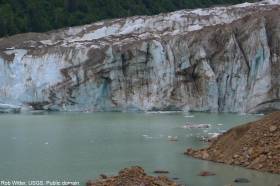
(189, 116)
(172, 138)
(147, 136)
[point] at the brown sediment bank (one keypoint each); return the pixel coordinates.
(255, 145)
(134, 176)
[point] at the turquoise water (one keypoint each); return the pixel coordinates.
(79, 147)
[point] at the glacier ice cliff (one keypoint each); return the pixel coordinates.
(222, 59)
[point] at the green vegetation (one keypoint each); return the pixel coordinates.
(18, 16)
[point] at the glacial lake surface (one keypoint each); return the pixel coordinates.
(80, 146)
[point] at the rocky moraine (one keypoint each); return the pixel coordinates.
(223, 59)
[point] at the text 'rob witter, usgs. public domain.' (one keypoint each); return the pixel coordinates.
(37, 183)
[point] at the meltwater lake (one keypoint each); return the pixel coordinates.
(81, 146)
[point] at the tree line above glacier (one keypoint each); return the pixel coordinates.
(17, 16)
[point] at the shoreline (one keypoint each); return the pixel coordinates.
(254, 145)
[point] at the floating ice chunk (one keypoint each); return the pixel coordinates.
(242, 114)
(147, 136)
(173, 138)
(162, 112)
(169, 137)
(189, 116)
(7, 108)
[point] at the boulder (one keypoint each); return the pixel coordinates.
(241, 180)
(133, 176)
